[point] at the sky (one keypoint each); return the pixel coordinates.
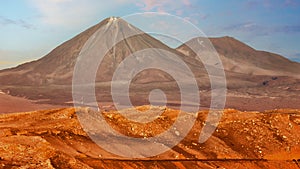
(29, 29)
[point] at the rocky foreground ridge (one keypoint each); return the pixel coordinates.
(55, 139)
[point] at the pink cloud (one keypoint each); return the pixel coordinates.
(164, 5)
(150, 4)
(179, 12)
(186, 2)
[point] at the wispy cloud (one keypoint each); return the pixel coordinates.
(60, 12)
(269, 4)
(288, 29)
(6, 21)
(292, 3)
(248, 27)
(254, 4)
(183, 8)
(256, 29)
(163, 6)
(69, 13)
(297, 56)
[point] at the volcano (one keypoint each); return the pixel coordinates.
(56, 68)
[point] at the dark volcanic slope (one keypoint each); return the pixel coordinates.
(55, 139)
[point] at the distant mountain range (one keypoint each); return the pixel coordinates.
(57, 66)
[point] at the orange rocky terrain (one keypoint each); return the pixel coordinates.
(55, 139)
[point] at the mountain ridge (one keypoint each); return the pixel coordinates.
(235, 55)
(248, 72)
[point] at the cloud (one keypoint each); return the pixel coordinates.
(288, 29)
(25, 24)
(248, 27)
(164, 6)
(256, 29)
(70, 13)
(60, 12)
(253, 4)
(297, 56)
(181, 8)
(268, 4)
(292, 3)
(20, 22)
(6, 21)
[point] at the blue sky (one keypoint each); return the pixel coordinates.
(29, 29)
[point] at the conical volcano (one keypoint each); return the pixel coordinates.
(57, 67)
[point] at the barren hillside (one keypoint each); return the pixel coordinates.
(55, 139)
(241, 58)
